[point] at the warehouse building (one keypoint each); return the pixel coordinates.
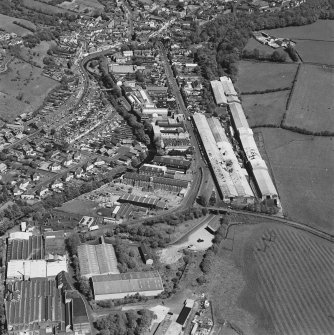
(142, 201)
(154, 182)
(218, 92)
(228, 86)
(257, 165)
(48, 308)
(97, 259)
(172, 163)
(118, 286)
(229, 176)
(36, 256)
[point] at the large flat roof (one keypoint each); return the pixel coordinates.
(130, 282)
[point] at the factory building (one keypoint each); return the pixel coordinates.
(36, 256)
(257, 165)
(97, 259)
(50, 306)
(218, 92)
(230, 177)
(118, 286)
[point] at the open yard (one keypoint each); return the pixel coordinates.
(303, 168)
(22, 89)
(254, 44)
(312, 103)
(265, 109)
(6, 23)
(261, 76)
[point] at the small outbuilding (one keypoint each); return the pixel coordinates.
(145, 255)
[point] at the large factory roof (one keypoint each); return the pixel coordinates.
(218, 92)
(228, 86)
(130, 282)
(229, 174)
(40, 299)
(238, 115)
(97, 259)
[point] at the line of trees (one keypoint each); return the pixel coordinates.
(125, 323)
(277, 56)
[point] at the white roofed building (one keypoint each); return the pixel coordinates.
(228, 174)
(218, 92)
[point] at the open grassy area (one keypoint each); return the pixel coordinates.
(260, 76)
(6, 23)
(303, 168)
(37, 53)
(79, 206)
(44, 7)
(83, 5)
(316, 51)
(264, 109)
(312, 103)
(320, 30)
(22, 89)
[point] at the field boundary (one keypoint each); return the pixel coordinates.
(267, 91)
(291, 92)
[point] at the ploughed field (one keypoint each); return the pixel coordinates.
(295, 273)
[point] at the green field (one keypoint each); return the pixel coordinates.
(83, 5)
(303, 168)
(44, 7)
(321, 30)
(316, 51)
(22, 89)
(265, 109)
(315, 42)
(6, 23)
(260, 76)
(312, 103)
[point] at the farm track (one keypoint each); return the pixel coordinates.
(291, 272)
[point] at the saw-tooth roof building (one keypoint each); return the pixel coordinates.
(97, 259)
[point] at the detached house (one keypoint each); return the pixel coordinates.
(57, 184)
(42, 191)
(35, 177)
(68, 176)
(55, 166)
(17, 191)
